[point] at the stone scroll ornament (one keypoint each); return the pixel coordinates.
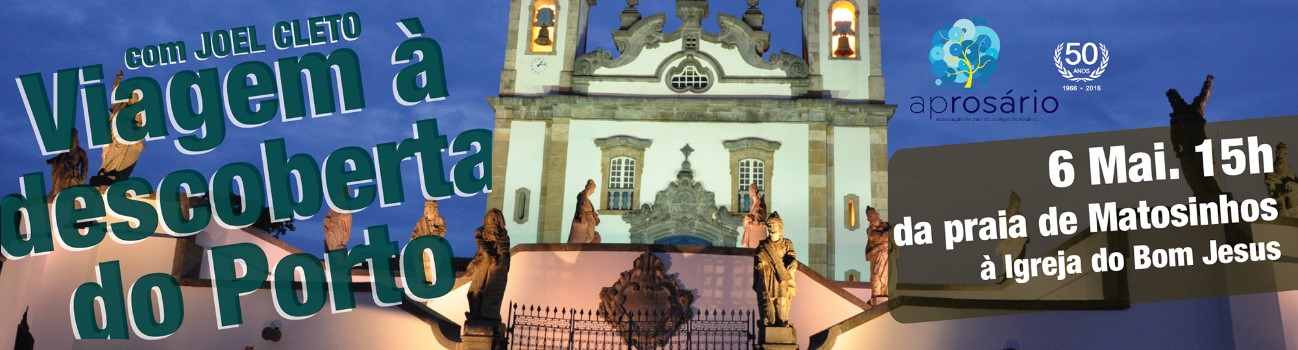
(646, 305)
(585, 219)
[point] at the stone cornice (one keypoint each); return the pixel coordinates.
(752, 143)
(735, 110)
(623, 141)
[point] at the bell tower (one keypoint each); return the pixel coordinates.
(842, 47)
(544, 38)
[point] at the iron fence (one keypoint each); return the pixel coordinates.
(536, 327)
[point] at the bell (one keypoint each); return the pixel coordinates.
(543, 37)
(844, 48)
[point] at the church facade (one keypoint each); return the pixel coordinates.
(675, 125)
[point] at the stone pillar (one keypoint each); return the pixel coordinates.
(831, 206)
(811, 37)
(481, 335)
(777, 338)
(508, 76)
(550, 227)
(817, 192)
(879, 170)
(499, 160)
(574, 30)
(876, 56)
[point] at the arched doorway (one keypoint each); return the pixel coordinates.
(684, 213)
(683, 240)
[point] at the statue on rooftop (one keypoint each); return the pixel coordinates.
(755, 221)
(585, 219)
(1014, 247)
(774, 266)
(1282, 184)
(119, 158)
(337, 230)
(488, 272)
(1187, 131)
(68, 168)
(431, 224)
(876, 251)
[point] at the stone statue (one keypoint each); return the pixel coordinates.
(68, 168)
(755, 221)
(489, 270)
(876, 250)
(774, 266)
(585, 219)
(119, 158)
(24, 340)
(1015, 247)
(1281, 183)
(1187, 129)
(337, 230)
(431, 223)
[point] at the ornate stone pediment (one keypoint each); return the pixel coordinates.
(685, 208)
(743, 36)
(646, 305)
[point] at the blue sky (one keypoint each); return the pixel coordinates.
(1155, 45)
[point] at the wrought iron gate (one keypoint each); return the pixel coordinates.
(536, 327)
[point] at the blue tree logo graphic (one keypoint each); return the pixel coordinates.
(964, 52)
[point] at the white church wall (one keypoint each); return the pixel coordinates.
(845, 79)
(710, 162)
(526, 155)
(49, 280)
(28, 272)
(453, 305)
(366, 327)
(851, 176)
(1187, 324)
(215, 236)
(733, 62)
(1288, 302)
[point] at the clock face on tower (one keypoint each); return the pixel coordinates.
(539, 65)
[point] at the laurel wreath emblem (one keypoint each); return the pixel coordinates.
(1095, 74)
